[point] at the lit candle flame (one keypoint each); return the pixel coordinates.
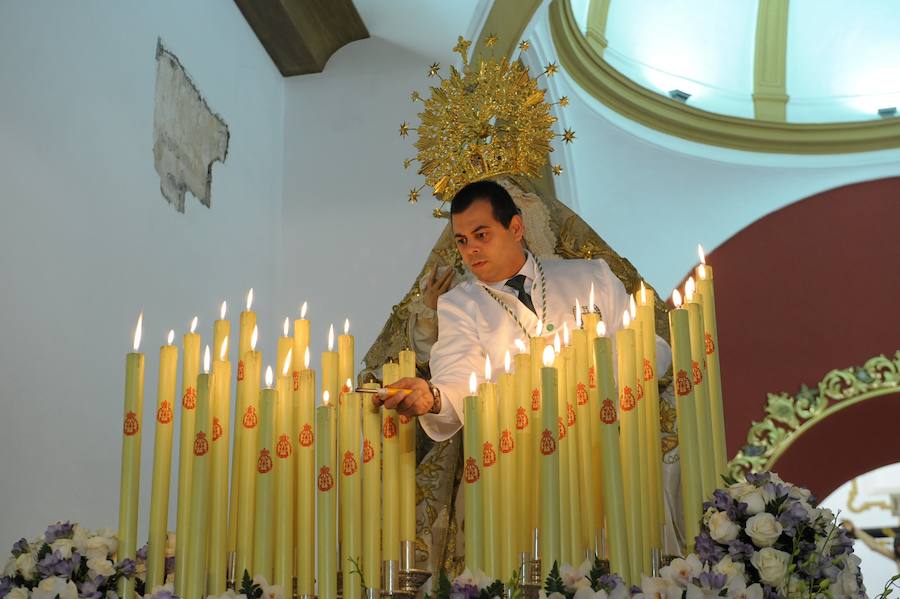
(269, 377)
(556, 344)
(137, 332)
(194, 324)
(303, 310)
(223, 351)
(540, 328)
(520, 345)
(632, 307)
(287, 362)
(601, 329)
(566, 334)
(325, 397)
(306, 358)
(171, 337)
(348, 384)
(591, 299)
(473, 383)
(578, 323)
(676, 298)
(507, 361)
(254, 337)
(689, 288)
(626, 319)
(331, 338)
(249, 299)
(487, 369)
(222, 310)
(347, 326)
(206, 360)
(643, 294)
(549, 356)
(701, 270)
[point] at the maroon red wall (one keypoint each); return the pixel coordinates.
(809, 288)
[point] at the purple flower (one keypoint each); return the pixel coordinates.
(6, 585)
(842, 543)
(141, 554)
(769, 592)
(90, 588)
(758, 478)
(776, 490)
(724, 502)
(608, 582)
(791, 516)
(164, 593)
(708, 550)
(20, 547)
(126, 567)
(468, 590)
(60, 530)
(712, 580)
(53, 564)
(740, 551)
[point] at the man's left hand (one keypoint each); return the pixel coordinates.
(415, 403)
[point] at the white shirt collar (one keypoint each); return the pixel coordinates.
(528, 269)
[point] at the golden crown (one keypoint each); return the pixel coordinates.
(490, 120)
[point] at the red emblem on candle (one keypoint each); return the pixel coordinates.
(217, 429)
(535, 400)
(405, 419)
(471, 473)
(349, 464)
(189, 399)
(682, 383)
(640, 392)
(648, 370)
(626, 401)
(608, 412)
(389, 429)
(201, 445)
(488, 455)
(548, 443)
(368, 451)
(570, 414)
(306, 435)
(710, 345)
(131, 426)
(326, 481)
(562, 428)
(581, 394)
(283, 448)
(507, 444)
(264, 463)
(521, 419)
(697, 373)
(296, 380)
(592, 378)
(240, 370)
(250, 420)
(164, 413)
(344, 390)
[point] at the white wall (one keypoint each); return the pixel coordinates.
(87, 240)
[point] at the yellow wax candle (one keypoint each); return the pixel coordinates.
(347, 358)
(590, 322)
(536, 351)
(565, 510)
(198, 536)
(472, 485)
(247, 334)
(371, 480)
(525, 457)
(508, 456)
(285, 474)
(487, 394)
(701, 397)
(190, 365)
(390, 443)
(648, 517)
(608, 436)
(714, 378)
(217, 562)
(306, 476)
(588, 506)
(630, 448)
(162, 463)
(548, 445)
(131, 457)
(408, 461)
(578, 538)
(350, 492)
(326, 499)
(689, 450)
(647, 314)
(246, 430)
(264, 521)
(330, 371)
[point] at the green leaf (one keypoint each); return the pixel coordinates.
(554, 583)
(249, 588)
(597, 570)
(443, 586)
(495, 589)
(43, 551)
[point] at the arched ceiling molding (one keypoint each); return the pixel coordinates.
(637, 103)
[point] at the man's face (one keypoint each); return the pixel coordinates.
(491, 251)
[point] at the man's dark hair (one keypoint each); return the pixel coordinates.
(501, 202)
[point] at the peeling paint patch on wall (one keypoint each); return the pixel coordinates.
(188, 137)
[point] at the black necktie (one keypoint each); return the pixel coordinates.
(518, 283)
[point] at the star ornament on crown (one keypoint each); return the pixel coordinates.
(491, 119)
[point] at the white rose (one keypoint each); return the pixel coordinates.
(98, 547)
(738, 489)
(79, 537)
(800, 493)
(50, 588)
(17, 593)
(722, 529)
(26, 564)
(573, 578)
(771, 564)
(733, 571)
(64, 546)
(763, 529)
(101, 567)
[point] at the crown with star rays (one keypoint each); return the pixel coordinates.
(488, 120)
